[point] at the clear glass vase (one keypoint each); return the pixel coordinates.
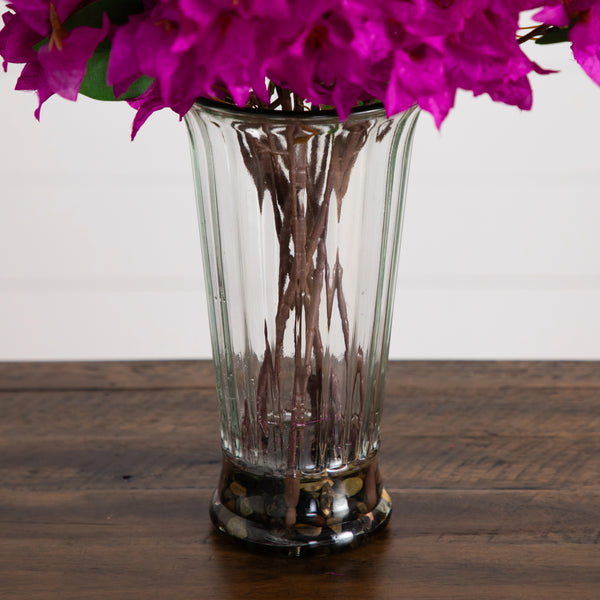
(300, 218)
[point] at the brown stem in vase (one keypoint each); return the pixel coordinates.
(300, 186)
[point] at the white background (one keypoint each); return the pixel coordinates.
(100, 256)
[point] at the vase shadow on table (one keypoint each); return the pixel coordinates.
(270, 572)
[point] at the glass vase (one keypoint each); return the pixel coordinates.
(300, 218)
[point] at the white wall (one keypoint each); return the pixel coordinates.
(100, 259)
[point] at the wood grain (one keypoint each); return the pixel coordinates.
(106, 470)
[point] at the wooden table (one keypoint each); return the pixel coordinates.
(106, 471)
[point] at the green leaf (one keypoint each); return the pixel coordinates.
(118, 12)
(555, 35)
(137, 88)
(94, 83)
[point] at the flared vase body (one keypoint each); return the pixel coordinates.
(300, 218)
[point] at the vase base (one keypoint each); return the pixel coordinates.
(298, 517)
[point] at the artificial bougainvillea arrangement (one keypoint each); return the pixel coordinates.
(294, 54)
(300, 217)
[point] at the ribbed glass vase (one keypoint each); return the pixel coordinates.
(300, 218)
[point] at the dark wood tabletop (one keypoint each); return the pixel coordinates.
(106, 470)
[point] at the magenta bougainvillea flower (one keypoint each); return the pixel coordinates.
(585, 36)
(581, 18)
(168, 53)
(38, 14)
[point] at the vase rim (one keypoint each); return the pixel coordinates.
(361, 112)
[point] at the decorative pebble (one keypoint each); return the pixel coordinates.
(237, 488)
(245, 507)
(326, 500)
(318, 521)
(337, 528)
(384, 504)
(352, 485)
(314, 486)
(257, 503)
(236, 526)
(340, 508)
(308, 530)
(277, 507)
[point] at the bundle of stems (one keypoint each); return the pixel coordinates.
(301, 191)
